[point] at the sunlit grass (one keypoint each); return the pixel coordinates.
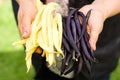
(116, 74)
(12, 58)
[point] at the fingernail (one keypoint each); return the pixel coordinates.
(94, 47)
(24, 34)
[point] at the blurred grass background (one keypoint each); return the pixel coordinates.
(12, 59)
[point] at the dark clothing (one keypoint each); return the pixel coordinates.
(108, 49)
(107, 52)
(15, 9)
(42, 72)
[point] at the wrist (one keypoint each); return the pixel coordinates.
(102, 10)
(107, 7)
(21, 1)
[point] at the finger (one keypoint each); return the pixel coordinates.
(93, 38)
(38, 50)
(20, 26)
(47, 1)
(20, 23)
(26, 23)
(88, 29)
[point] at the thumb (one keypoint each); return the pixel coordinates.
(93, 39)
(26, 26)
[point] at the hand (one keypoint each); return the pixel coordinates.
(26, 14)
(98, 15)
(95, 24)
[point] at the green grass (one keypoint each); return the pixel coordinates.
(116, 74)
(12, 63)
(12, 59)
